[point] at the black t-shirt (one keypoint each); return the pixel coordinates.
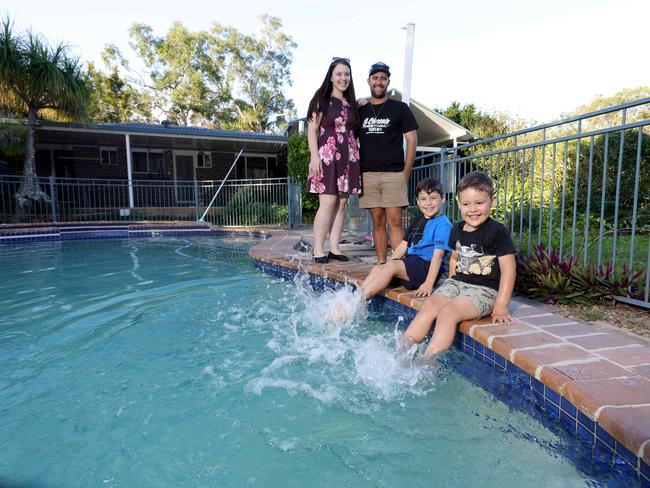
(477, 252)
(380, 135)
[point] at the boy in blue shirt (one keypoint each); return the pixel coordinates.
(420, 260)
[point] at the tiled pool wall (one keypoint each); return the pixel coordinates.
(71, 232)
(554, 408)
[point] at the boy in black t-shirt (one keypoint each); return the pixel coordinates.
(481, 271)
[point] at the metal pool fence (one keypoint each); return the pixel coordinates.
(580, 186)
(272, 201)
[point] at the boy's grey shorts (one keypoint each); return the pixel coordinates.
(482, 297)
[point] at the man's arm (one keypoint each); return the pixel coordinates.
(508, 268)
(411, 145)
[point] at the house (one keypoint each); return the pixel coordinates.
(144, 151)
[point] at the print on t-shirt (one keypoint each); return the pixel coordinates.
(373, 125)
(473, 262)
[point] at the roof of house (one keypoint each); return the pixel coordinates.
(164, 129)
(156, 136)
(434, 129)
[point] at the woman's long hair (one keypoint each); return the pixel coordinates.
(320, 100)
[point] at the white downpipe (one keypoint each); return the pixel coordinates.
(220, 186)
(129, 169)
(408, 62)
(408, 66)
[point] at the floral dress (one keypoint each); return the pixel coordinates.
(339, 153)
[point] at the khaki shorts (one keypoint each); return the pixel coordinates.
(383, 190)
(482, 297)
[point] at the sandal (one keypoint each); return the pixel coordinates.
(321, 259)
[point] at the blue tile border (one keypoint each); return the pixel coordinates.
(550, 403)
(72, 232)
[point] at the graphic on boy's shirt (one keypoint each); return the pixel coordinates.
(473, 262)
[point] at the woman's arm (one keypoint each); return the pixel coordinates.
(312, 139)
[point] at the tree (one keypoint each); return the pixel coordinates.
(37, 80)
(113, 99)
(261, 67)
(219, 78)
(482, 124)
(183, 73)
(640, 112)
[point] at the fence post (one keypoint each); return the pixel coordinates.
(290, 202)
(53, 197)
(197, 210)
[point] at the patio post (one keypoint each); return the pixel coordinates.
(197, 210)
(129, 169)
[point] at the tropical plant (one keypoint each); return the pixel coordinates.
(38, 80)
(546, 277)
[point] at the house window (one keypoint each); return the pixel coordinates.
(108, 156)
(147, 162)
(256, 166)
(204, 160)
(155, 163)
(139, 161)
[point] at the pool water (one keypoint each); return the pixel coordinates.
(175, 362)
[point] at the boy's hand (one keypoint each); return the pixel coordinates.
(424, 290)
(500, 315)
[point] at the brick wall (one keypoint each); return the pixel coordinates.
(87, 163)
(84, 162)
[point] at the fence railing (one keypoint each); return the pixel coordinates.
(580, 186)
(271, 201)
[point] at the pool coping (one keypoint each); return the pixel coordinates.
(594, 379)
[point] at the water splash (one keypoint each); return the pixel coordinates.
(346, 358)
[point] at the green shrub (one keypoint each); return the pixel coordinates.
(244, 209)
(298, 167)
(553, 280)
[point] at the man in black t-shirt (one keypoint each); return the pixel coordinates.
(385, 170)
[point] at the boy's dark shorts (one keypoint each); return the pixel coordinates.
(417, 270)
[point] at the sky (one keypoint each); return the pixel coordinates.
(535, 60)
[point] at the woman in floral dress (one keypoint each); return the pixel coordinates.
(334, 169)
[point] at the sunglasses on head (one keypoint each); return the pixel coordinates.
(336, 60)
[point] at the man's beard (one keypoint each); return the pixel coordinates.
(380, 95)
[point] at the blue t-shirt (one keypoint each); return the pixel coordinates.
(426, 235)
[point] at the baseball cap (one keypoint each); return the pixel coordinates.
(379, 66)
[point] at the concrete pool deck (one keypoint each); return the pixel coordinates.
(601, 370)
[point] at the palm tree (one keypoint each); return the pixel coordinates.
(38, 80)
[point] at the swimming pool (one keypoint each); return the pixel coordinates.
(175, 362)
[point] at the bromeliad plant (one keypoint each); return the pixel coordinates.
(546, 277)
